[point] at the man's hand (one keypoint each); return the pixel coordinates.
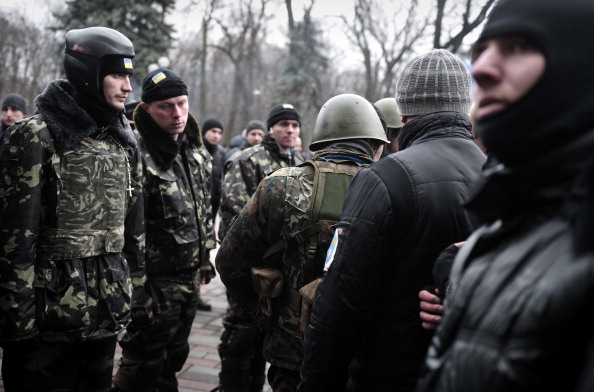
(431, 309)
(207, 272)
(142, 312)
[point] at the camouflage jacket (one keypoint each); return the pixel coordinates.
(71, 206)
(245, 172)
(280, 208)
(179, 224)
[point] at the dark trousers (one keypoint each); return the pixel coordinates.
(152, 355)
(60, 366)
(283, 380)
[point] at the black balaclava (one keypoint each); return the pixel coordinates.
(560, 106)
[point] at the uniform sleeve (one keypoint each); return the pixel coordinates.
(22, 177)
(239, 183)
(206, 207)
(256, 228)
(134, 230)
(348, 290)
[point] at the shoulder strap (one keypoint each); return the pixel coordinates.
(328, 194)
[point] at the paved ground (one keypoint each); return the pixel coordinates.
(200, 373)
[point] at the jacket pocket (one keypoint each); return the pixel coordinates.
(115, 293)
(61, 295)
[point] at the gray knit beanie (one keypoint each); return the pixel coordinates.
(434, 82)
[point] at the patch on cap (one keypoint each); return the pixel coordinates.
(128, 63)
(158, 77)
(288, 106)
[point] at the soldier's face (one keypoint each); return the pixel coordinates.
(10, 115)
(255, 136)
(213, 135)
(285, 132)
(170, 114)
(115, 89)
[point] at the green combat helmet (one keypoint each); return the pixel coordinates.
(389, 108)
(346, 116)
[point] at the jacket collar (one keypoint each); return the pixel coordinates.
(546, 182)
(161, 147)
(292, 157)
(434, 126)
(69, 123)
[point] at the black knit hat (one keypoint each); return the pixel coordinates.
(115, 65)
(16, 101)
(162, 84)
(210, 124)
(285, 111)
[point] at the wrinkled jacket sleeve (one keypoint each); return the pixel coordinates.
(21, 183)
(206, 207)
(134, 232)
(349, 289)
(239, 184)
(257, 226)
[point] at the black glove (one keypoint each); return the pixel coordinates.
(207, 273)
(142, 312)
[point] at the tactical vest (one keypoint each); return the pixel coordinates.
(90, 199)
(304, 251)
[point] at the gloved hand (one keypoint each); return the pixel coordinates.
(142, 312)
(207, 272)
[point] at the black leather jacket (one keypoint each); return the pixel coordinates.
(522, 286)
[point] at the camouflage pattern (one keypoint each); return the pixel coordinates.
(179, 237)
(166, 339)
(179, 228)
(280, 208)
(67, 217)
(35, 366)
(245, 172)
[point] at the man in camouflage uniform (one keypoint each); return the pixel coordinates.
(70, 208)
(242, 364)
(179, 234)
(286, 227)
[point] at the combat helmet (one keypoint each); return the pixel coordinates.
(88, 50)
(346, 116)
(389, 108)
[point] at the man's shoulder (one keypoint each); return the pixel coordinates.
(31, 129)
(251, 153)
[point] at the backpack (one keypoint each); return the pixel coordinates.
(304, 251)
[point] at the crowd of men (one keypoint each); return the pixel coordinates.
(398, 257)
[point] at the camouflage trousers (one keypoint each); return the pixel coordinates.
(283, 380)
(152, 355)
(58, 366)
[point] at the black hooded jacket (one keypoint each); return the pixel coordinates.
(399, 214)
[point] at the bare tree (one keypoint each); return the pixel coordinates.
(457, 30)
(243, 33)
(383, 41)
(30, 56)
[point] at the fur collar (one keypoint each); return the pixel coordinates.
(69, 123)
(161, 147)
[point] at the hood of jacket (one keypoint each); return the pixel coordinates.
(69, 123)
(162, 148)
(434, 126)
